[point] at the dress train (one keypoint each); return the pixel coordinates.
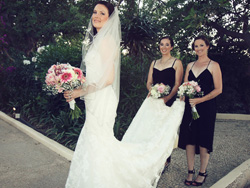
(101, 161)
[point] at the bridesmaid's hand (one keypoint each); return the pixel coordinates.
(166, 99)
(195, 101)
(149, 93)
(182, 98)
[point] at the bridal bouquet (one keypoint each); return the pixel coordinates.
(62, 77)
(159, 90)
(191, 89)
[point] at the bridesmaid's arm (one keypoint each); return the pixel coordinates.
(178, 80)
(215, 70)
(187, 72)
(186, 76)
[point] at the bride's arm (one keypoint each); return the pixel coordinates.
(105, 76)
(71, 95)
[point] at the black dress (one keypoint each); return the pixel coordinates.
(199, 132)
(167, 77)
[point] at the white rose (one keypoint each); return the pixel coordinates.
(125, 51)
(26, 62)
(154, 93)
(34, 59)
(40, 49)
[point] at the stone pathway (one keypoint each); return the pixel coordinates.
(231, 148)
(25, 163)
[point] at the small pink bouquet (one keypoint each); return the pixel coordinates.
(191, 89)
(159, 90)
(62, 77)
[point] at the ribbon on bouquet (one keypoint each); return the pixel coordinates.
(194, 109)
(72, 104)
(75, 110)
(195, 113)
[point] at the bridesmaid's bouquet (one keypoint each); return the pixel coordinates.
(62, 77)
(191, 89)
(159, 90)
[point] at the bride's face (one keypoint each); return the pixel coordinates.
(100, 16)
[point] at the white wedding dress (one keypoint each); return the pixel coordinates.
(100, 160)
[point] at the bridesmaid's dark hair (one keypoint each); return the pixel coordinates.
(201, 37)
(110, 8)
(169, 38)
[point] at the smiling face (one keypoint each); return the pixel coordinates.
(165, 46)
(100, 16)
(200, 47)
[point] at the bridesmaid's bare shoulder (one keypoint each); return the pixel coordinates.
(190, 65)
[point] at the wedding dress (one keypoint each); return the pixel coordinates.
(100, 160)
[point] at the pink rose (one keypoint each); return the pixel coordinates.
(197, 88)
(50, 79)
(161, 89)
(193, 83)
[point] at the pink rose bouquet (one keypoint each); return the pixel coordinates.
(63, 77)
(159, 90)
(191, 89)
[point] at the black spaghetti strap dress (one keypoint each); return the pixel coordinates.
(199, 132)
(167, 77)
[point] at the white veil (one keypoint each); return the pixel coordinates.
(101, 56)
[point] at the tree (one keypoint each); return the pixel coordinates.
(29, 24)
(227, 22)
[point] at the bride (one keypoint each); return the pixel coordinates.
(100, 160)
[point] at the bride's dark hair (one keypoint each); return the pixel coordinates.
(110, 8)
(108, 5)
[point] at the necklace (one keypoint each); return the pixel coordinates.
(165, 61)
(204, 62)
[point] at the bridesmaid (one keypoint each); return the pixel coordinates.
(196, 136)
(167, 70)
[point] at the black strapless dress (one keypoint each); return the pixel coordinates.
(167, 77)
(199, 132)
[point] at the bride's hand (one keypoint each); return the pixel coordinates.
(68, 95)
(71, 95)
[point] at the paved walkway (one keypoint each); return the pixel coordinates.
(231, 148)
(25, 163)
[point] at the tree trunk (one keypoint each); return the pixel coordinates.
(8, 55)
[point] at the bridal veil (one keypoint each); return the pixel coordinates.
(103, 49)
